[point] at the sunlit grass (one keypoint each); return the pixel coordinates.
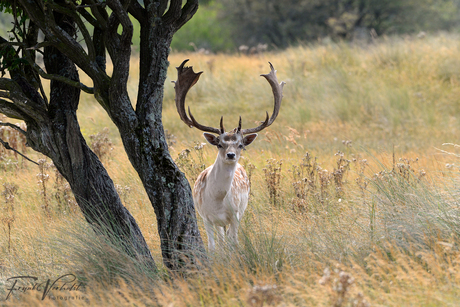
(372, 209)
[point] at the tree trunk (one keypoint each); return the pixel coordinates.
(166, 186)
(141, 129)
(59, 138)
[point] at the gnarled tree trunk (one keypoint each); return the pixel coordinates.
(54, 130)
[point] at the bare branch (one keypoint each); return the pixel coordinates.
(10, 44)
(62, 79)
(155, 7)
(112, 37)
(138, 12)
(44, 18)
(101, 4)
(40, 45)
(174, 11)
(123, 18)
(24, 97)
(7, 146)
(10, 110)
(89, 18)
(79, 21)
(187, 13)
(122, 53)
(99, 13)
(14, 127)
(119, 49)
(20, 44)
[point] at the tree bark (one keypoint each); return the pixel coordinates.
(145, 141)
(54, 131)
(141, 129)
(166, 186)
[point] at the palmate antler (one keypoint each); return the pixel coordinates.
(186, 78)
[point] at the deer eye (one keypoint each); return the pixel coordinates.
(219, 146)
(241, 146)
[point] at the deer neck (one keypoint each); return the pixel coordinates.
(222, 176)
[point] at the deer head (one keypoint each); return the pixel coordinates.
(229, 143)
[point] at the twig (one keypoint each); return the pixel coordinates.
(10, 44)
(91, 5)
(7, 146)
(40, 45)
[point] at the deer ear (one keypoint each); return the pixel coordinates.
(211, 138)
(248, 139)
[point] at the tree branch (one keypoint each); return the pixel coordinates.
(138, 12)
(112, 38)
(174, 11)
(19, 95)
(42, 73)
(122, 55)
(7, 146)
(81, 25)
(62, 79)
(90, 5)
(99, 46)
(187, 13)
(14, 127)
(119, 48)
(123, 18)
(10, 110)
(156, 7)
(89, 18)
(30, 54)
(99, 13)
(44, 18)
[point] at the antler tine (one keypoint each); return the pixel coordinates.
(202, 127)
(222, 129)
(277, 89)
(239, 126)
(186, 78)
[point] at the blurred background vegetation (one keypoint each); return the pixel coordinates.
(239, 25)
(226, 25)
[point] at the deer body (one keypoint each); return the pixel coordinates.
(218, 198)
(221, 191)
(221, 195)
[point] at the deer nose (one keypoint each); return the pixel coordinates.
(231, 155)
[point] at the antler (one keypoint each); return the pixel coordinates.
(186, 78)
(277, 89)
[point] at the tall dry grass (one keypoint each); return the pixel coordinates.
(351, 202)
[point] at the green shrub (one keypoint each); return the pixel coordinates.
(204, 31)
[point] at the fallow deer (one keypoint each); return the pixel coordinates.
(221, 191)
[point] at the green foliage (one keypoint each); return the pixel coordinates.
(5, 6)
(10, 11)
(205, 30)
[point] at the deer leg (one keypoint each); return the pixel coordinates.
(232, 231)
(221, 236)
(210, 232)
